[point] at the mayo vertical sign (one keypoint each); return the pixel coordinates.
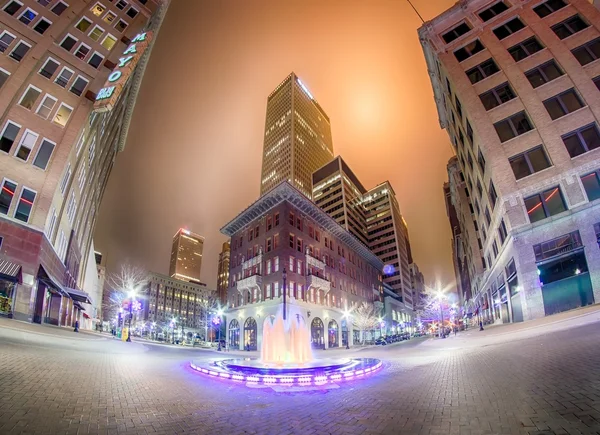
(108, 95)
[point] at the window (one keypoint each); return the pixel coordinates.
(96, 59)
(28, 16)
(492, 11)
(483, 70)
(109, 18)
(96, 33)
(121, 26)
(481, 161)
(548, 7)
(68, 43)
(468, 50)
(5, 40)
(525, 49)
(509, 28)
(79, 85)
(30, 97)
(26, 144)
(479, 188)
(109, 42)
(597, 230)
(9, 134)
(4, 75)
(497, 96)
(44, 153)
(20, 51)
(63, 114)
(495, 249)
(46, 106)
(569, 27)
(132, 12)
(52, 223)
(488, 217)
(583, 140)
(63, 78)
(470, 131)
(596, 82)
(82, 51)
(588, 52)
(545, 204)
(25, 204)
(563, 103)
(71, 208)
(513, 126)
(98, 9)
(83, 24)
(591, 184)
(121, 4)
(59, 8)
(6, 195)
(502, 233)
(276, 223)
(456, 32)
(12, 7)
(458, 107)
(42, 26)
(543, 73)
(44, 2)
(529, 162)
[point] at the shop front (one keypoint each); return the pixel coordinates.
(10, 277)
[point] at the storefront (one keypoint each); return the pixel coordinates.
(10, 277)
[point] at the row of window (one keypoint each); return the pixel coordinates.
(95, 33)
(24, 203)
(19, 49)
(82, 52)
(26, 144)
(27, 17)
(64, 78)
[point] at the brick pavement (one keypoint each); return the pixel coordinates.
(546, 384)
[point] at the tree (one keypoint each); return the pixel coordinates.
(209, 304)
(432, 306)
(129, 278)
(364, 317)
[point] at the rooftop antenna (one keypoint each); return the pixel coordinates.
(416, 11)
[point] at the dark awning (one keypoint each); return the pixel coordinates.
(78, 306)
(49, 280)
(78, 295)
(10, 271)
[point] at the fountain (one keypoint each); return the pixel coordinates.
(287, 359)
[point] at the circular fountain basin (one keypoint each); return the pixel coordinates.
(253, 371)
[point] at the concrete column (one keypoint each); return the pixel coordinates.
(592, 256)
(242, 344)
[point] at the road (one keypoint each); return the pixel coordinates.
(543, 380)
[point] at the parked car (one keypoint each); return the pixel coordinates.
(380, 341)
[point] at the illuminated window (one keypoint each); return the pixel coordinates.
(25, 204)
(63, 114)
(121, 26)
(27, 16)
(30, 97)
(545, 204)
(44, 153)
(6, 195)
(109, 18)
(83, 24)
(98, 9)
(59, 8)
(46, 106)
(12, 7)
(96, 33)
(109, 42)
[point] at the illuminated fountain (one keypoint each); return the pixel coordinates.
(286, 358)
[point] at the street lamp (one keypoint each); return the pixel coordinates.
(131, 296)
(440, 296)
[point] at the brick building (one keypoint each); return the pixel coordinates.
(55, 58)
(223, 273)
(328, 270)
(516, 86)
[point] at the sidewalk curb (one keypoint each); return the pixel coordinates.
(48, 334)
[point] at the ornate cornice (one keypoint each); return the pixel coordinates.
(286, 192)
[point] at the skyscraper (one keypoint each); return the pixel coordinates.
(186, 256)
(297, 137)
(223, 273)
(56, 56)
(517, 89)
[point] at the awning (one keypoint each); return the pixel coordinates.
(86, 315)
(78, 306)
(49, 280)
(78, 295)
(10, 271)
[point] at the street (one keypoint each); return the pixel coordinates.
(505, 380)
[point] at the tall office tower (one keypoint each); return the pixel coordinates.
(297, 137)
(418, 286)
(186, 256)
(517, 88)
(465, 241)
(388, 238)
(338, 192)
(56, 57)
(223, 273)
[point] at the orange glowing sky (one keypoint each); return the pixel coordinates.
(193, 155)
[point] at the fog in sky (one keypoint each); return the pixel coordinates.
(193, 155)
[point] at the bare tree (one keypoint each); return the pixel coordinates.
(209, 304)
(120, 284)
(365, 318)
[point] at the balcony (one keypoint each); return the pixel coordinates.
(318, 283)
(249, 283)
(315, 262)
(254, 261)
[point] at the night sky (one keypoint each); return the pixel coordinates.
(193, 156)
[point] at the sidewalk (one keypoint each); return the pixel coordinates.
(51, 330)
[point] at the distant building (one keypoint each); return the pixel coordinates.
(186, 256)
(223, 273)
(418, 286)
(516, 84)
(297, 137)
(396, 317)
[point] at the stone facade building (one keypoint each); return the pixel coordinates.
(56, 158)
(517, 88)
(223, 273)
(327, 270)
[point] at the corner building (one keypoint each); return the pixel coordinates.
(297, 137)
(516, 86)
(328, 270)
(55, 57)
(186, 256)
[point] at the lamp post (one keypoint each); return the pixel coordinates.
(440, 297)
(131, 296)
